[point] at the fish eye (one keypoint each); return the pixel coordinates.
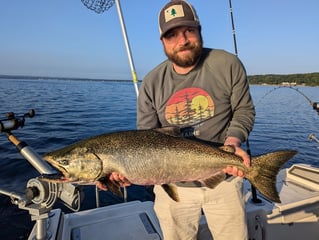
(64, 162)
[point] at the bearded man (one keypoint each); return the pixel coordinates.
(204, 92)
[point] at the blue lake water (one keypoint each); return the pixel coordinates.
(69, 110)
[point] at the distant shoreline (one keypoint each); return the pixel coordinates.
(297, 79)
(60, 78)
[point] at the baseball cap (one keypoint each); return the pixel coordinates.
(177, 13)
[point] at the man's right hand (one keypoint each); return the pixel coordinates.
(117, 178)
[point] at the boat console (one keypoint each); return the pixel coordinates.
(298, 212)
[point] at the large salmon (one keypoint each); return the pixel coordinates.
(150, 157)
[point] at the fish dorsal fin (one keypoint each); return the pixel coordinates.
(172, 131)
(227, 148)
(171, 190)
(214, 180)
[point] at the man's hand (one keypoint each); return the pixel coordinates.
(235, 143)
(120, 179)
(117, 178)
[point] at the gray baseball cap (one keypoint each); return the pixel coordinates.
(177, 13)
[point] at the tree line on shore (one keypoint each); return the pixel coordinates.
(307, 79)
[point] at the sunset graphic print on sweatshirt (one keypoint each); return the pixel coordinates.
(189, 106)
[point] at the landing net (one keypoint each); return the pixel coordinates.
(98, 6)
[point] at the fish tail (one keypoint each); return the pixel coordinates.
(262, 174)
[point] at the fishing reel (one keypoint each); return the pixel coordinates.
(315, 106)
(47, 193)
(44, 194)
(39, 196)
(11, 122)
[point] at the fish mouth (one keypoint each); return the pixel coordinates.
(55, 177)
(60, 169)
(61, 175)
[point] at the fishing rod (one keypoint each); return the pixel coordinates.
(253, 189)
(39, 196)
(38, 191)
(233, 27)
(13, 122)
(314, 105)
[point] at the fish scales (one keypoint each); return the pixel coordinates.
(148, 157)
(153, 156)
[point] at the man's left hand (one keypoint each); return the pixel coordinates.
(235, 143)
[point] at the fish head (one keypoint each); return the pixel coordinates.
(75, 164)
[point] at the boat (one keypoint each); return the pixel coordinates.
(296, 217)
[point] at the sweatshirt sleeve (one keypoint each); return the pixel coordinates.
(242, 105)
(147, 117)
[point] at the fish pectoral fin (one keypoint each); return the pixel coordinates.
(214, 180)
(171, 190)
(227, 148)
(112, 186)
(171, 131)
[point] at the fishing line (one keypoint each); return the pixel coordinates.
(315, 105)
(289, 87)
(255, 198)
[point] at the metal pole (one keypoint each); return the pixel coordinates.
(253, 189)
(27, 152)
(233, 27)
(42, 228)
(127, 45)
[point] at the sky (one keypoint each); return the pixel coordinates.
(63, 38)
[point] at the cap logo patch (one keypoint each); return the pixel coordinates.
(174, 11)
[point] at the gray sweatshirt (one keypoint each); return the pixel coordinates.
(211, 102)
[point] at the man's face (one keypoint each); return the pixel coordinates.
(183, 46)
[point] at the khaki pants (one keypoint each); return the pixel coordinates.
(223, 206)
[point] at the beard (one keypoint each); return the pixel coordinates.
(186, 60)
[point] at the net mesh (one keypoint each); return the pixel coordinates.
(98, 6)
